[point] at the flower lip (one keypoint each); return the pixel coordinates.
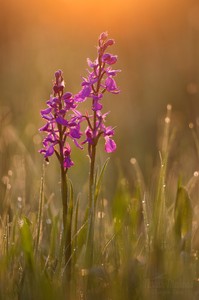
(109, 58)
(110, 145)
(111, 85)
(74, 133)
(61, 121)
(45, 127)
(96, 105)
(92, 64)
(46, 111)
(111, 72)
(49, 151)
(67, 95)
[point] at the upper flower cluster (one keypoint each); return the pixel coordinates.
(99, 80)
(57, 126)
(101, 76)
(62, 118)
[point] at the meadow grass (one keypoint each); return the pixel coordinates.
(145, 243)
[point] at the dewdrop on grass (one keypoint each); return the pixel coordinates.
(48, 221)
(21, 223)
(100, 215)
(84, 272)
(167, 120)
(133, 161)
(10, 173)
(9, 186)
(191, 125)
(169, 107)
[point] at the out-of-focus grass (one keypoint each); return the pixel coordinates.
(146, 230)
(157, 45)
(146, 236)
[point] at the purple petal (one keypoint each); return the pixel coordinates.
(109, 131)
(45, 127)
(62, 112)
(109, 58)
(96, 105)
(68, 162)
(90, 63)
(98, 96)
(89, 136)
(77, 144)
(46, 111)
(86, 91)
(112, 60)
(110, 42)
(77, 113)
(61, 121)
(53, 101)
(111, 85)
(75, 133)
(67, 95)
(49, 151)
(83, 94)
(67, 150)
(110, 145)
(111, 72)
(42, 151)
(48, 117)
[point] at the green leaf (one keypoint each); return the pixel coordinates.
(183, 218)
(99, 180)
(120, 204)
(26, 240)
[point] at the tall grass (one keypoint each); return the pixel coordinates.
(145, 243)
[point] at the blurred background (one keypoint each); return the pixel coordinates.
(158, 47)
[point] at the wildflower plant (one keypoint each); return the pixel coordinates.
(100, 79)
(63, 122)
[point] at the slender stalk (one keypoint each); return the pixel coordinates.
(64, 196)
(91, 176)
(91, 215)
(99, 80)
(92, 152)
(40, 213)
(66, 234)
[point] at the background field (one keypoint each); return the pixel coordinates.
(157, 43)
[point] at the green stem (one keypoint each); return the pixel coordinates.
(66, 232)
(65, 203)
(91, 212)
(92, 153)
(91, 176)
(40, 212)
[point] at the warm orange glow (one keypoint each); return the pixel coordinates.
(77, 16)
(120, 15)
